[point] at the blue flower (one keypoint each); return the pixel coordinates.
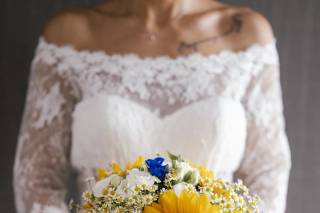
(157, 168)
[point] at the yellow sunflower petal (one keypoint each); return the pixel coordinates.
(168, 202)
(156, 206)
(205, 206)
(186, 202)
(151, 209)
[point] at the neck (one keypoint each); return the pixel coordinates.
(157, 13)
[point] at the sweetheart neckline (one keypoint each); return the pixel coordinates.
(167, 116)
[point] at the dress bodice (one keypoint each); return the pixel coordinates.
(123, 130)
(86, 109)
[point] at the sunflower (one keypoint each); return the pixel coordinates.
(187, 202)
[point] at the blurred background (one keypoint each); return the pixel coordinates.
(296, 24)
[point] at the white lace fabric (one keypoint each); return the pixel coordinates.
(80, 100)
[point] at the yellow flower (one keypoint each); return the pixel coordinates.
(117, 169)
(186, 202)
(87, 206)
(205, 173)
(101, 174)
(136, 164)
(203, 170)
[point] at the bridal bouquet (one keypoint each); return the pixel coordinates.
(166, 184)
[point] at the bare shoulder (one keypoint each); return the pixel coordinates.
(68, 26)
(255, 27)
(242, 26)
(238, 27)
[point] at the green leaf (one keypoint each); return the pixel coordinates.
(174, 157)
(188, 177)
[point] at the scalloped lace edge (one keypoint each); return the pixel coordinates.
(43, 43)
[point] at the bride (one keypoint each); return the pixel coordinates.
(135, 77)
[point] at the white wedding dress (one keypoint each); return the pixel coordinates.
(86, 109)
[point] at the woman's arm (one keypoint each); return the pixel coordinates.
(42, 157)
(266, 163)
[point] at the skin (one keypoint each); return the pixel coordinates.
(180, 27)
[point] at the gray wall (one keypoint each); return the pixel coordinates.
(297, 27)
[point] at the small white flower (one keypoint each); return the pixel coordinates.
(113, 180)
(122, 189)
(137, 177)
(133, 179)
(184, 169)
(100, 186)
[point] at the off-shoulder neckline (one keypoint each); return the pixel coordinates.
(71, 48)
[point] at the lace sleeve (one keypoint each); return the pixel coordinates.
(266, 163)
(42, 160)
